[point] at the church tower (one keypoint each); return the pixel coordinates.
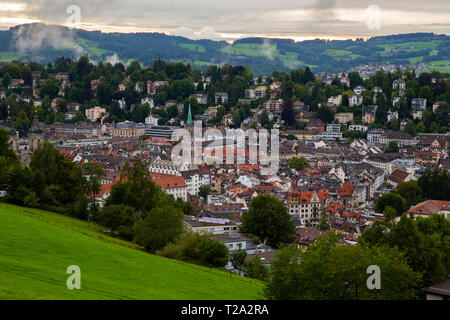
(36, 135)
(190, 127)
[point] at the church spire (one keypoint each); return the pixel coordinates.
(189, 118)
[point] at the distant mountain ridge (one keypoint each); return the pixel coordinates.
(44, 43)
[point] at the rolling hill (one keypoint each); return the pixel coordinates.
(43, 43)
(36, 247)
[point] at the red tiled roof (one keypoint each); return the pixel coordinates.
(323, 194)
(429, 207)
(105, 188)
(346, 190)
(249, 167)
(170, 182)
(398, 176)
(334, 207)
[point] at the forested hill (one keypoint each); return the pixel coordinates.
(43, 43)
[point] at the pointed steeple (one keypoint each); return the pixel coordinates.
(189, 119)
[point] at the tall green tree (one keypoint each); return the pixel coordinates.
(287, 113)
(161, 226)
(94, 172)
(435, 184)
(424, 244)
(410, 191)
(237, 258)
(268, 219)
(298, 163)
(392, 200)
(329, 271)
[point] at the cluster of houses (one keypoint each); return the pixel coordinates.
(339, 186)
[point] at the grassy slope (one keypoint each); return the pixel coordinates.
(36, 247)
(92, 47)
(256, 50)
(193, 47)
(7, 56)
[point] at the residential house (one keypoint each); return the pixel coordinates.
(392, 115)
(399, 137)
(399, 84)
(399, 176)
(149, 101)
(440, 291)
(344, 117)
(257, 93)
(220, 98)
(316, 125)
(355, 100)
(359, 90)
(195, 179)
(94, 114)
(201, 98)
(369, 114)
(152, 119)
(154, 87)
(308, 205)
(306, 237)
(274, 106)
(336, 100)
(418, 104)
(358, 127)
(429, 207)
(173, 185)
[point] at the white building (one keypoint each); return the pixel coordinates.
(359, 90)
(358, 127)
(355, 100)
(166, 167)
(152, 119)
(149, 101)
(337, 100)
(210, 225)
(195, 179)
(392, 115)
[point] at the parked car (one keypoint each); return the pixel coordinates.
(3, 194)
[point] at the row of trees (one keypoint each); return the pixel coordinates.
(50, 182)
(432, 184)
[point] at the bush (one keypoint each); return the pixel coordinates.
(160, 227)
(115, 216)
(198, 248)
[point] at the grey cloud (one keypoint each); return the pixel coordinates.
(28, 40)
(232, 16)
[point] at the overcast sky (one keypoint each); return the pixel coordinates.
(231, 19)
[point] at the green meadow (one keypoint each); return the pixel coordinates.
(7, 56)
(193, 47)
(36, 247)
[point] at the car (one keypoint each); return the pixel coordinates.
(3, 194)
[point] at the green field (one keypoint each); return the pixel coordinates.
(193, 47)
(6, 56)
(347, 55)
(411, 46)
(36, 247)
(439, 65)
(258, 50)
(92, 48)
